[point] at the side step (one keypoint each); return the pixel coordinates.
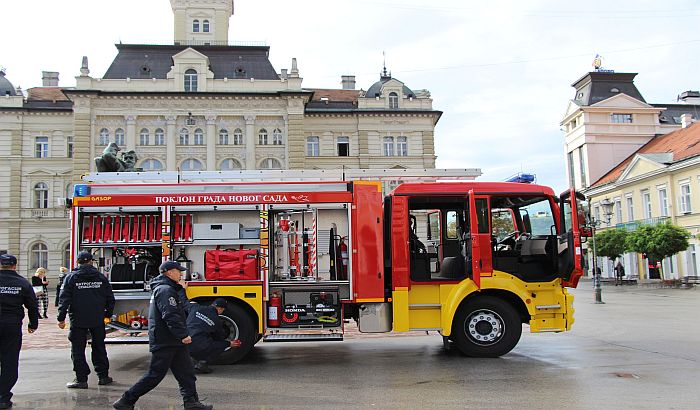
(127, 340)
(325, 337)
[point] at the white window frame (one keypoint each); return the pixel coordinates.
(149, 165)
(313, 146)
(237, 136)
(277, 137)
(41, 195)
(39, 254)
(618, 209)
(388, 146)
(223, 136)
(159, 137)
(120, 137)
(646, 203)
(629, 203)
(262, 136)
(69, 146)
(103, 138)
(235, 165)
(144, 137)
(402, 146)
(205, 26)
(342, 140)
(195, 26)
(270, 163)
(685, 198)
(41, 146)
(198, 137)
(191, 164)
(663, 200)
(393, 101)
(184, 136)
(621, 118)
(191, 80)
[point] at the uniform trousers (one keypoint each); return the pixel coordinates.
(210, 352)
(78, 341)
(177, 359)
(10, 345)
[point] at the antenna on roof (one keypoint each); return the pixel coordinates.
(384, 73)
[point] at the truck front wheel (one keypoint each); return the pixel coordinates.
(237, 325)
(486, 326)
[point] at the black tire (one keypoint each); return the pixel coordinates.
(486, 326)
(238, 324)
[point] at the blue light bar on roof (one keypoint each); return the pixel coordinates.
(81, 190)
(522, 178)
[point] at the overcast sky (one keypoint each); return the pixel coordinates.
(501, 71)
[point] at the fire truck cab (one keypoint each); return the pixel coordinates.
(296, 261)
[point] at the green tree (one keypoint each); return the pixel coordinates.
(658, 241)
(611, 243)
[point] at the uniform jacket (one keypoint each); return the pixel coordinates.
(87, 296)
(205, 327)
(16, 294)
(167, 318)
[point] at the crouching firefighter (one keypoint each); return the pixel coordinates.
(207, 331)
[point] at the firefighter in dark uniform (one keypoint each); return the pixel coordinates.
(87, 296)
(207, 331)
(168, 339)
(15, 294)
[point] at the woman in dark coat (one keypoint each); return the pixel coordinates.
(39, 280)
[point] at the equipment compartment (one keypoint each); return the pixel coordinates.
(318, 308)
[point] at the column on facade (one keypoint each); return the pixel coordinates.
(82, 138)
(15, 201)
(363, 146)
(250, 142)
(428, 148)
(93, 133)
(211, 142)
(130, 132)
(295, 134)
(171, 143)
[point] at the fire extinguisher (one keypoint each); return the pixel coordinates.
(343, 259)
(274, 310)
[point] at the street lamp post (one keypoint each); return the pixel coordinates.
(607, 208)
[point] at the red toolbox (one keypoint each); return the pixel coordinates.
(231, 264)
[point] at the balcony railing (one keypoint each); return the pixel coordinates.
(632, 226)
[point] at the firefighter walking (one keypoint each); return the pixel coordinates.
(16, 294)
(168, 339)
(87, 296)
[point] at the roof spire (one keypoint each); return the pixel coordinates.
(384, 75)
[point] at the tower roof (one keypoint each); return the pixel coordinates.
(6, 87)
(597, 86)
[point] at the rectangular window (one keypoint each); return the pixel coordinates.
(630, 209)
(685, 199)
(618, 210)
(596, 213)
(582, 166)
(663, 202)
(451, 221)
(388, 147)
(482, 215)
(646, 203)
(343, 146)
(312, 147)
(41, 147)
(69, 146)
(621, 118)
(402, 146)
(570, 158)
(143, 139)
(692, 260)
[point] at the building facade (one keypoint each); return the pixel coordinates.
(196, 104)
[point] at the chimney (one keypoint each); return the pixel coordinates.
(283, 74)
(348, 82)
(690, 97)
(686, 120)
(49, 78)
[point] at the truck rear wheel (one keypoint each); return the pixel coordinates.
(237, 325)
(486, 326)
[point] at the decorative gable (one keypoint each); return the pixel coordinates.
(621, 101)
(190, 59)
(642, 165)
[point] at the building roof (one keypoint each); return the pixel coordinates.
(376, 88)
(46, 94)
(155, 61)
(330, 99)
(673, 112)
(597, 86)
(6, 87)
(682, 144)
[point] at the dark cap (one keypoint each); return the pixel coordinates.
(166, 266)
(8, 260)
(84, 256)
(220, 303)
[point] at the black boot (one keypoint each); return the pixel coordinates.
(105, 381)
(75, 384)
(124, 404)
(202, 367)
(194, 404)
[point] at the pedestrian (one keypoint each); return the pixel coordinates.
(62, 272)
(16, 294)
(87, 296)
(619, 273)
(41, 289)
(207, 331)
(168, 339)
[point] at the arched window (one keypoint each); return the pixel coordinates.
(104, 136)
(223, 136)
(195, 26)
(191, 164)
(229, 164)
(277, 137)
(270, 163)
(152, 165)
(262, 136)
(160, 137)
(184, 136)
(69, 190)
(119, 137)
(388, 146)
(237, 137)
(393, 100)
(205, 26)
(402, 146)
(312, 147)
(66, 256)
(190, 80)
(39, 255)
(41, 195)
(198, 137)
(144, 136)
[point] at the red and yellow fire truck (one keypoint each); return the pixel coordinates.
(298, 260)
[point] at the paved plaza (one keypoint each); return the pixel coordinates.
(640, 350)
